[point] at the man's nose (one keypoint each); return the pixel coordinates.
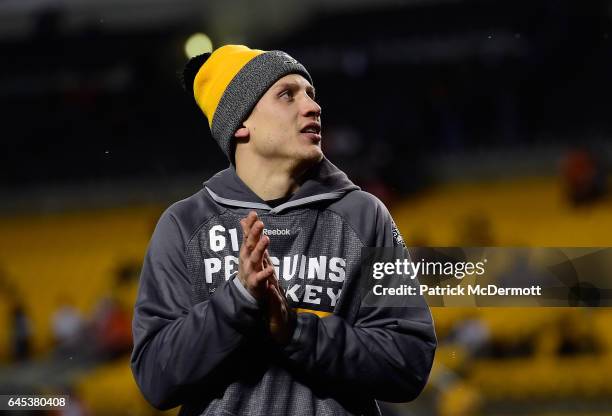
(311, 108)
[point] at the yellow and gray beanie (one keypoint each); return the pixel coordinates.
(228, 82)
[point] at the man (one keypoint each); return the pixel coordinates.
(249, 295)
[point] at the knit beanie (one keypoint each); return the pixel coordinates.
(230, 81)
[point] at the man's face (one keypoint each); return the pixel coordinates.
(286, 122)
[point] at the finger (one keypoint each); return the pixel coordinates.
(282, 298)
(274, 298)
(266, 257)
(274, 283)
(258, 282)
(263, 275)
(249, 220)
(245, 231)
(254, 235)
(256, 257)
(245, 234)
(268, 260)
(274, 309)
(276, 301)
(280, 295)
(246, 223)
(274, 280)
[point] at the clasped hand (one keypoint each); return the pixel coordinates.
(258, 276)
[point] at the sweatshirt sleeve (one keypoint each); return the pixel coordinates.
(386, 354)
(178, 343)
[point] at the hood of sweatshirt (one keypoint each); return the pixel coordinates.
(324, 181)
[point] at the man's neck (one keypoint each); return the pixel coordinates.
(269, 180)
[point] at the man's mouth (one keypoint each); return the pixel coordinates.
(312, 128)
(313, 131)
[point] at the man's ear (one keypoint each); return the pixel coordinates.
(242, 133)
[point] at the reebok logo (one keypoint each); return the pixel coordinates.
(276, 231)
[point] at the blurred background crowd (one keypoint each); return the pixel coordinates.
(478, 123)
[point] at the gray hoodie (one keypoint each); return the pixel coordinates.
(200, 337)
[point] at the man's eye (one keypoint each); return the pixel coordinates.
(287, 93)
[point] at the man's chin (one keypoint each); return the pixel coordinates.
(313, 155)
(308, 157)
